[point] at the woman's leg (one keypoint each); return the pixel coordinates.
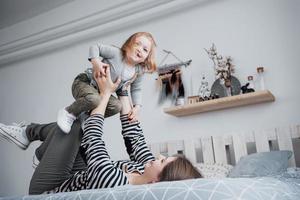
(45, 132)
(80, 162)
(133, 136)
(57, 161)
(40, 132)
(35, 132)
(23, 135)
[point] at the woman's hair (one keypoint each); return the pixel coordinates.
(149, 63)
(179, 169)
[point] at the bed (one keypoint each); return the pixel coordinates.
(268, 172)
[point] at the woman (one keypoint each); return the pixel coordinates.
(60, 168)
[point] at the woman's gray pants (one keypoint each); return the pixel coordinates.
(59, 154)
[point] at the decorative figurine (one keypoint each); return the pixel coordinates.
(245, 89)
(204, 91)
(260, 78)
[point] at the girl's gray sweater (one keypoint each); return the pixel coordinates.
(113, 56)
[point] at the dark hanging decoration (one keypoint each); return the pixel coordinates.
(169, 78)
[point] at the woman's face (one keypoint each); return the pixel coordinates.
(139, 50)
(154, 168)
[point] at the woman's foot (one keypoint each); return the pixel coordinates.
(16, 134)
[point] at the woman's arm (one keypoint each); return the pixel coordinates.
(101, 172)
(106, 87)
(133, 135)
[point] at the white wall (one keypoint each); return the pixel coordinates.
(255, 33)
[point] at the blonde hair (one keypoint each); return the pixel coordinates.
(149, 63)
(179, 169)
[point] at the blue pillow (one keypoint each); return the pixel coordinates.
(261, 164)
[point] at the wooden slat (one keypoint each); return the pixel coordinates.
(239, 146)
(261, 140)
(171, 148)
(190, 150)
(207, 149)
(197, 143)
(271, 133)
(174, 147)
(163, 147)
(295, 131)
(249, 136)
(285, 142)
(219, 149)
(227, 139)
(154, 147)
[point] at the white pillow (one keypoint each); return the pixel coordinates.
(214, 170)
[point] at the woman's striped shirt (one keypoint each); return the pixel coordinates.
(101, 171)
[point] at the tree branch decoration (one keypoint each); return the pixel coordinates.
(223, 67)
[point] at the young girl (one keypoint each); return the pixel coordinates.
(129, 63)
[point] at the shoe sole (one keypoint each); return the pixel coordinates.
(9, 138)
(35, 162)
(34, 166)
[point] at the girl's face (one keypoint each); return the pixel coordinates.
(139, 50)
(154, 168)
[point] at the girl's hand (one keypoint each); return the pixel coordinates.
(133, 113)
(98, 67)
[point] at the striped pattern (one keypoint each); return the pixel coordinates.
(101, 171)
(135, 141)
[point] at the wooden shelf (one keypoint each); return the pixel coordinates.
(221, 103)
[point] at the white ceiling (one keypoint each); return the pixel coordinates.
(14, 11)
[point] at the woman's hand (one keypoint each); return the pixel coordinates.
(133, 114)
(98, 67)
(106, 87)
(105, 84)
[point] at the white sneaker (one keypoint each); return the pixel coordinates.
(35, 162)
(65, 120)
(16, 134)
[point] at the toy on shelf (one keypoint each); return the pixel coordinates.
(204, 91)
(248, 87)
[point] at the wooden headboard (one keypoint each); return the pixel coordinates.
(229, 148)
